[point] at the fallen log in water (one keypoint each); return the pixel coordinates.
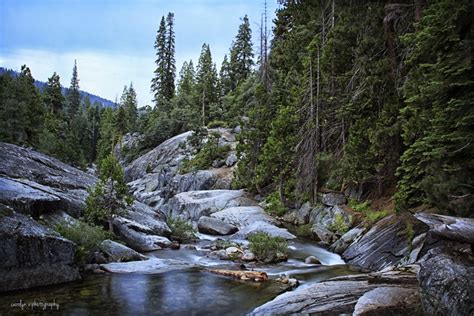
(256, 276)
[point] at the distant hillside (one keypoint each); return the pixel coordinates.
(41, 85)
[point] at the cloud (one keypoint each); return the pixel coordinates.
(112, 40)
(101, 73)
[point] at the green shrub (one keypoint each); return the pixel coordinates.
(370, 215)
(274, 205)
(149, 168)
(181, 230)
(268, 248)
(304, 231)
(362, 207)
(86, 237)
(196, 140)
(208, 152)
(216, 123)
(410, 233)
(339, 225)
(224, 244)
(374, 217)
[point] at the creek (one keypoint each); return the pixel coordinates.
(180, 292)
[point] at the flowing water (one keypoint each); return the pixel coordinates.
(194, 291)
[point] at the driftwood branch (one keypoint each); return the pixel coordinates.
(256, 276)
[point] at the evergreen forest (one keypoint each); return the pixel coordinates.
(370, 97)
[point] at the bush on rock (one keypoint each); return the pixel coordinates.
(267, 248)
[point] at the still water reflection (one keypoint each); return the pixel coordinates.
(190, 292)
(180, 292)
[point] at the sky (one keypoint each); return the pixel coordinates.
(112, 40)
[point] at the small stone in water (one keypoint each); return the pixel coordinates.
(311, 260)
(232, 250)
(222, 254)
(293, 283)
(248, 256)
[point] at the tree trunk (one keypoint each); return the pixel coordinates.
(111, 226)
(203, 109)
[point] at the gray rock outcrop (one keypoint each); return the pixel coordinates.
(347, 239)
(156, 189)
(241, 216)
(262, 226)
(387, 243)
(32, 255)
(326, 216)
(192, 205)
(129, 141)
(142, 228)
(457, 229)
(333, 198)
(139, 236)
(214, 226)
(389, 301)
(299, 216)
(119, 253)
(447, 282)
(168, 154)
(335, 296)
(33, 183)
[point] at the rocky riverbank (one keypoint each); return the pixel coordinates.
(423, 264)
(418, 263)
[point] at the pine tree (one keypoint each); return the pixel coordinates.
(13, 111)
(131, 108)
(241, 54)
(107, 134)
(73, 95)
(120, 122)
(437, 168)
(52, 139)
(52, 96)
(170, 67)
(110, 196)
(91, 130)
(158, 82)
(184, 110)
(225, 81)
(163, 83)
(73, 151)
(186, 78)
(33, 106)
(206, 84)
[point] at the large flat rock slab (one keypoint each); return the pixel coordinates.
(448, 227)
(335, 296)
(168, 154)
(27, 199)
(25, 163)
(389, 301)
(241, 216)
(194, 204)
(34, 183)
(261, 226)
